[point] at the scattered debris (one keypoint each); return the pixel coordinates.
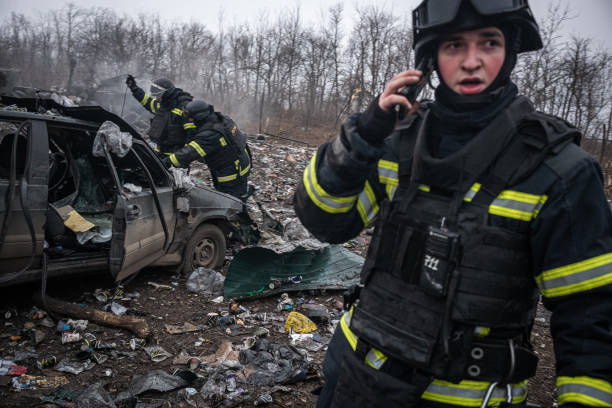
(134, 324)
(116, 141)
(157, 353)
(156, 380)
(185, 328)
(158, 286)
(298, 323)
(206, 282)
(252, 270)
(34, 382)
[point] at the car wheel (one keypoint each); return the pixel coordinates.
(206, 248)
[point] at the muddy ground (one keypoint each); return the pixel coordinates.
(278, 166)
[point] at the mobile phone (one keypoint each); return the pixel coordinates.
(411, 92)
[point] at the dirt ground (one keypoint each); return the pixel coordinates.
(278, 167)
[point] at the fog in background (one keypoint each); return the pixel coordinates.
(284, 68)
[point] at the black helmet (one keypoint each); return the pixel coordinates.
(434, 18)
(198, 110)
(160, 86)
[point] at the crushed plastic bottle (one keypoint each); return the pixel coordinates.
(264, 399)
(46, 362)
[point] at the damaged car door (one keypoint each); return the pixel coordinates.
(144, 216)
(23, 188)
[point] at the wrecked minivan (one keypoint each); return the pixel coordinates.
(63, 210)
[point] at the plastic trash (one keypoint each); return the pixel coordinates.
(95, 396)
(187, 395)
(264, 399)
(116, 308)
(136, 343)
(305, 341)
(17, 370)
(5, 366)
(235, 394)
(182, 178)
(157, 353)
(156, 380)
(73, 366)
(70, 337)
(285, 302)
(62, 326)
(230, 383)
(117, 142)
(206, 282)
(46, 362)
(214, 387)
(299, 323)
(132, 188)
(31, 381)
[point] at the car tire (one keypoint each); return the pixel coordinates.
(205, 248)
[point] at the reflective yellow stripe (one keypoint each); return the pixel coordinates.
(344, 325)
(471, 393)
(144, 100)
(482, 331)
(174, 160)
(424, 188)
(227, 178)
(222, 141)
(390, 189)
(469, 196)
(152, 105)
(177, 111)
(366, 205)
(197, 148)
(375, 358)
(387, 172)
(189, 125)
(245, 170)
(584, 390)
(517, 205)
(577, 277)
(320, 197)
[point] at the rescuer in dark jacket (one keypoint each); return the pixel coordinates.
(169, 129)
(220, 144)
(480, 205)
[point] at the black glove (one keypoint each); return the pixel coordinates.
(166, 162)
(131, 82)
(374, 124)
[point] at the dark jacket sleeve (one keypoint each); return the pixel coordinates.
(340, 192)
(572, 248)
(151, 104)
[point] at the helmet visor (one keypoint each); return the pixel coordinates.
(156, 91)
(432, 13)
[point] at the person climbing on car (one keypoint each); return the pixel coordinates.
(220, 144)
(170, 129)
(481, 205)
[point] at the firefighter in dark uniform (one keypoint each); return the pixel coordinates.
(481, 205)
(169, 129)
(220, 144)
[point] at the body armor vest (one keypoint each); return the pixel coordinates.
(236, 143)
(435, 269)
(167, 128)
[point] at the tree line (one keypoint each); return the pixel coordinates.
(281, 75)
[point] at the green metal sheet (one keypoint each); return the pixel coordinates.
(253, 269)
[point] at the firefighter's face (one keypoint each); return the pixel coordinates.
(469, 61)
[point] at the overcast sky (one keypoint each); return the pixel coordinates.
(593, 18)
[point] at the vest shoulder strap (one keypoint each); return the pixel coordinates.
(539, 136)
(408, 129)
